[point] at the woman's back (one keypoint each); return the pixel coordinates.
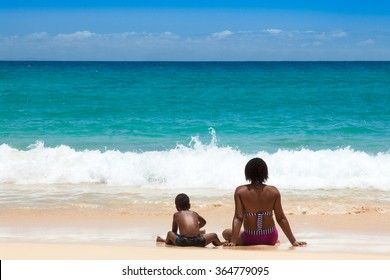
(258, 205)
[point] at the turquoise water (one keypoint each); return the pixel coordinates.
(167, 124)
(152, 106)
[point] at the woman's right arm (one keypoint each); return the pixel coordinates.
(237, 219)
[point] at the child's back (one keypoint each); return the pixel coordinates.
(188, 222)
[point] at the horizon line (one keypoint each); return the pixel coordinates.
(203, 61)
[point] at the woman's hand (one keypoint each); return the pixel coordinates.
(299, 243)
(229, 244)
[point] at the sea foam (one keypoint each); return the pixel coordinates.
(196, 165)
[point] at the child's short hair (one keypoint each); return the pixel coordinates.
(182, 201)
(256, 170)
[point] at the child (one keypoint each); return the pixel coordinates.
(188, 223)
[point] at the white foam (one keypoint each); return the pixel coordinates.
(197, 165)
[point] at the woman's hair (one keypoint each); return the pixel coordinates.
(182, 201)
(256, 170)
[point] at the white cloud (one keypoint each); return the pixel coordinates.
(338, 34)
(258, 44)
(38, 36)
(222, 35)
(79, 35)
(273, 31)
(169, 35)
(365, 43)
(327, 36)
(320, 36)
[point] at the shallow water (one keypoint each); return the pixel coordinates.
(119, 198)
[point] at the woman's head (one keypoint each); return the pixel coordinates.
(256, 170)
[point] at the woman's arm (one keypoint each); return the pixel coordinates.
(283, 222)
(237, 219)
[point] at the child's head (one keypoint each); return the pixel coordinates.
(182, 202)
(256, 170)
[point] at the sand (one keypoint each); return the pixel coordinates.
(354, 236)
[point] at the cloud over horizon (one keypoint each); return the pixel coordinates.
(266, 44)
(188, 31)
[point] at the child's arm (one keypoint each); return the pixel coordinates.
(174, 224)
(202, 221)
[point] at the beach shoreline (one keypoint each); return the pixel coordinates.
(358, 236)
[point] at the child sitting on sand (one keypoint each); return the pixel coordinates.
(189, 224)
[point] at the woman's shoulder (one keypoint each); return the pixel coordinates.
(242, 188)
(271, 189)
(246, 187)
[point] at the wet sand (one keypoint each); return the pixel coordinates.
(96, 234)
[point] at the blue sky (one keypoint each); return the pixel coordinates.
(194, 30)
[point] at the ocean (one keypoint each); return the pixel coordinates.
(117, 135)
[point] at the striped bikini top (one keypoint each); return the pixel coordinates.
(260, 229)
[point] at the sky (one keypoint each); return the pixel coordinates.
(213, 30)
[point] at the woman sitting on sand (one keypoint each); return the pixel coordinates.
(255, 204)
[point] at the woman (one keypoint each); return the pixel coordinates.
(255, 204)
